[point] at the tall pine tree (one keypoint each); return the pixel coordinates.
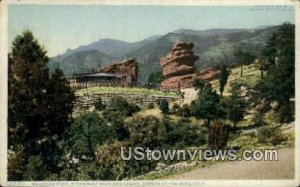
(39, 105)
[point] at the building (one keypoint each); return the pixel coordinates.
(121, 74)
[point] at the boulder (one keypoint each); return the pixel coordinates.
(128, 67)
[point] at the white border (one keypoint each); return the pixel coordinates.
(3, 92)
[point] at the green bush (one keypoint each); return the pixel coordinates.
(99, 104)
(164, 106)
(151, 105)
(271, 135)
(258, 119)
(182, 134)
(119, 110)
(87, 132)
(108, 158)
(146, 131)
(35, 169)
(183, 111)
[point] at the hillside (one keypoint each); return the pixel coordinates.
(214, 47)
(80, 62)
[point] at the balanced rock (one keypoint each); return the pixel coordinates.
(178, 66)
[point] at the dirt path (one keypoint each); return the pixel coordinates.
(282, 169)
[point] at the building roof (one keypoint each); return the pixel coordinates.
(101, 75)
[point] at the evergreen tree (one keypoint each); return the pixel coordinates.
(270, 51)
(198, 84)
(223, 78)
(164, 106)
(236, 105)
(86, 133)
(279, 83)
(155, 78)
(39, 106)
(243, 58)
(207, 105)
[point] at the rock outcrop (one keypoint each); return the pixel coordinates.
(208, 74)
(178, 66)
(179, 69)
(128, 68)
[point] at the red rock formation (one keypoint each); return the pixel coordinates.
(179, 70)
(180, 61)
(208, 74)
(178, 66)
(128, 67)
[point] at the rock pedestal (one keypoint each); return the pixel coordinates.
(178, 66)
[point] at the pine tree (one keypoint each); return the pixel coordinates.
(207, 105)
(279, 83)
(223, 78)
(164, 106)
(39, 106)
(236, 105)
(243, 58)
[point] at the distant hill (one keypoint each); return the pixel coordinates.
(214, 47)
(208, 32)
(79, 62)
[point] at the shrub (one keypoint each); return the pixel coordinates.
(271, 135)
(119, 109)
(99, 104)
(120, 104)
(35, 169)
(182, 134)
(88, 131)
(120, 130)
(146, 131)
(164, 106)
(175, 108)
(264, 133)
(258, 119)
(183, 111)
(151, 105)
(217, 135)
(108, 158)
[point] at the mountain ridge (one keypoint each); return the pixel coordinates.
(210, 45)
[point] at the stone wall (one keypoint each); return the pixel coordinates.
(86, 102)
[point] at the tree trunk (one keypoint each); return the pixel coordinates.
(241, 70)
(208, 123)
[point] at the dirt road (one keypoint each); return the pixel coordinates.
(284, 168)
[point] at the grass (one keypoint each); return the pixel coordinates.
(126, 90)
(251, 76)
(157, 113)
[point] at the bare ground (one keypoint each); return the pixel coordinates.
(284, 168)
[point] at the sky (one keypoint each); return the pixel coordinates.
(62, 27)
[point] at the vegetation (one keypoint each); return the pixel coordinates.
(279, 83)
(155, 78)
(271, 135)
(120, 107)
(223, 78)
(39, 108)
(218, 135)
(99, 104)
(164, 106)
(236, 105)
(86, 133)
(126, 90)
(47, 143)
(207, 105)
(243, 58)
